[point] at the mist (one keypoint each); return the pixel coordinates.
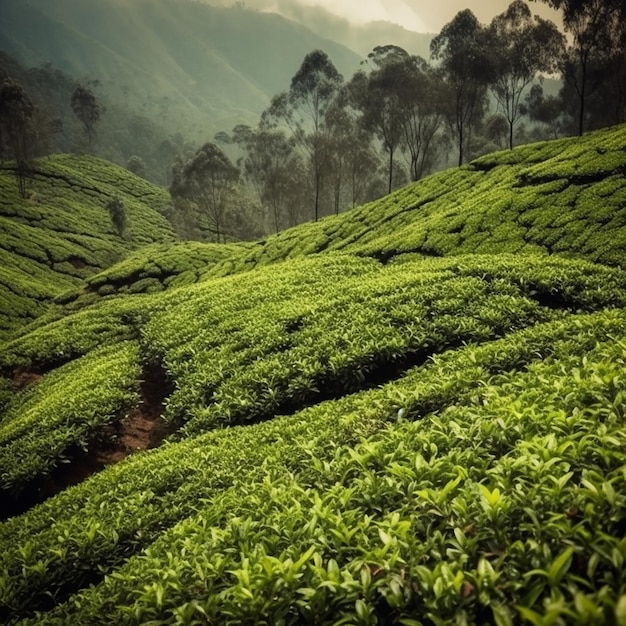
(422, 16)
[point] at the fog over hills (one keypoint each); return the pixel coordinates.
(199, 68)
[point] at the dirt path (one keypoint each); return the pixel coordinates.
(141, 429)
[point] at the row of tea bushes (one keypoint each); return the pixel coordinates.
(267, 342)
(245, 348)
(62, 232)
(486, 485)
(66, 410)
(566, 197)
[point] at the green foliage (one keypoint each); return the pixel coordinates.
(476, 506)
(565, 197)
(169, 265)
(117, 211)
(62, 233)
(64, 411)
(248, 347)
(87, 110)
(367, 442)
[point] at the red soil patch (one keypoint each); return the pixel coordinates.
(142, 429)
(23, 377)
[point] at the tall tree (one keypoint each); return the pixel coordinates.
(595, 26)
(547, 110)
(421, 99)
(352, 163)
(609, 104)
(268, 153)
(207, 180)
(521, 47)
(377, 95)
(462, 49)
(17, 114)
(303, 108)
(87, 110)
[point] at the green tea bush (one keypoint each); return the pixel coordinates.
(367, 434)
(66, 410)
(515, 201)
(500, 503)
(62, 233)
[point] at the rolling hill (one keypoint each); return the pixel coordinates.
(411, 413)
(63, 233)
(565, 197)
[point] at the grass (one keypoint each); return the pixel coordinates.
(374, 420)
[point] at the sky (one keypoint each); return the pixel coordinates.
(420, 15)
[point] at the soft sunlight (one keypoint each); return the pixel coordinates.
(362, 11)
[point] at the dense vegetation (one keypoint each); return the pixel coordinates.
(62, 232)
(411, 413)
(308, 140)
(564, 197)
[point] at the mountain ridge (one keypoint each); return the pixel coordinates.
(211, 86)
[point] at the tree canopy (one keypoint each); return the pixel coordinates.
(462, 49)
(17, 114)
(87, 110)
(521, 47)
(207, 180)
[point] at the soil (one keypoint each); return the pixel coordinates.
(23, 378)
(141, 429)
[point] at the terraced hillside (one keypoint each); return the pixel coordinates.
(63, 233)
(333, 426)
(565, 197)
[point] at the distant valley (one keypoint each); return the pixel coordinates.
(194, 67)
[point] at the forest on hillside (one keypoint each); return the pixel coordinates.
(328, 143)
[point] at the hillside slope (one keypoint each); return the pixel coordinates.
(358, 433)
(63, 233)
(565, 197)
(194, 67)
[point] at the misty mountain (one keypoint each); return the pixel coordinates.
(362, 38)
(196, 68)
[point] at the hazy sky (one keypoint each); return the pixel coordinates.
(420, 15)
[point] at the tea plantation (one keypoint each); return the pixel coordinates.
(62, 233)
(413, 413)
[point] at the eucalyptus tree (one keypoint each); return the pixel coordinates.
(206, 180)
(343, 131)
(421, 100)
(609, 106)
(521, 47)
(596, 28)
(87, 109)
(462, 49)
(268, 154)
(304, 109)
(353, 162)
(547, 110)
(377, 95)
(17, 115)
